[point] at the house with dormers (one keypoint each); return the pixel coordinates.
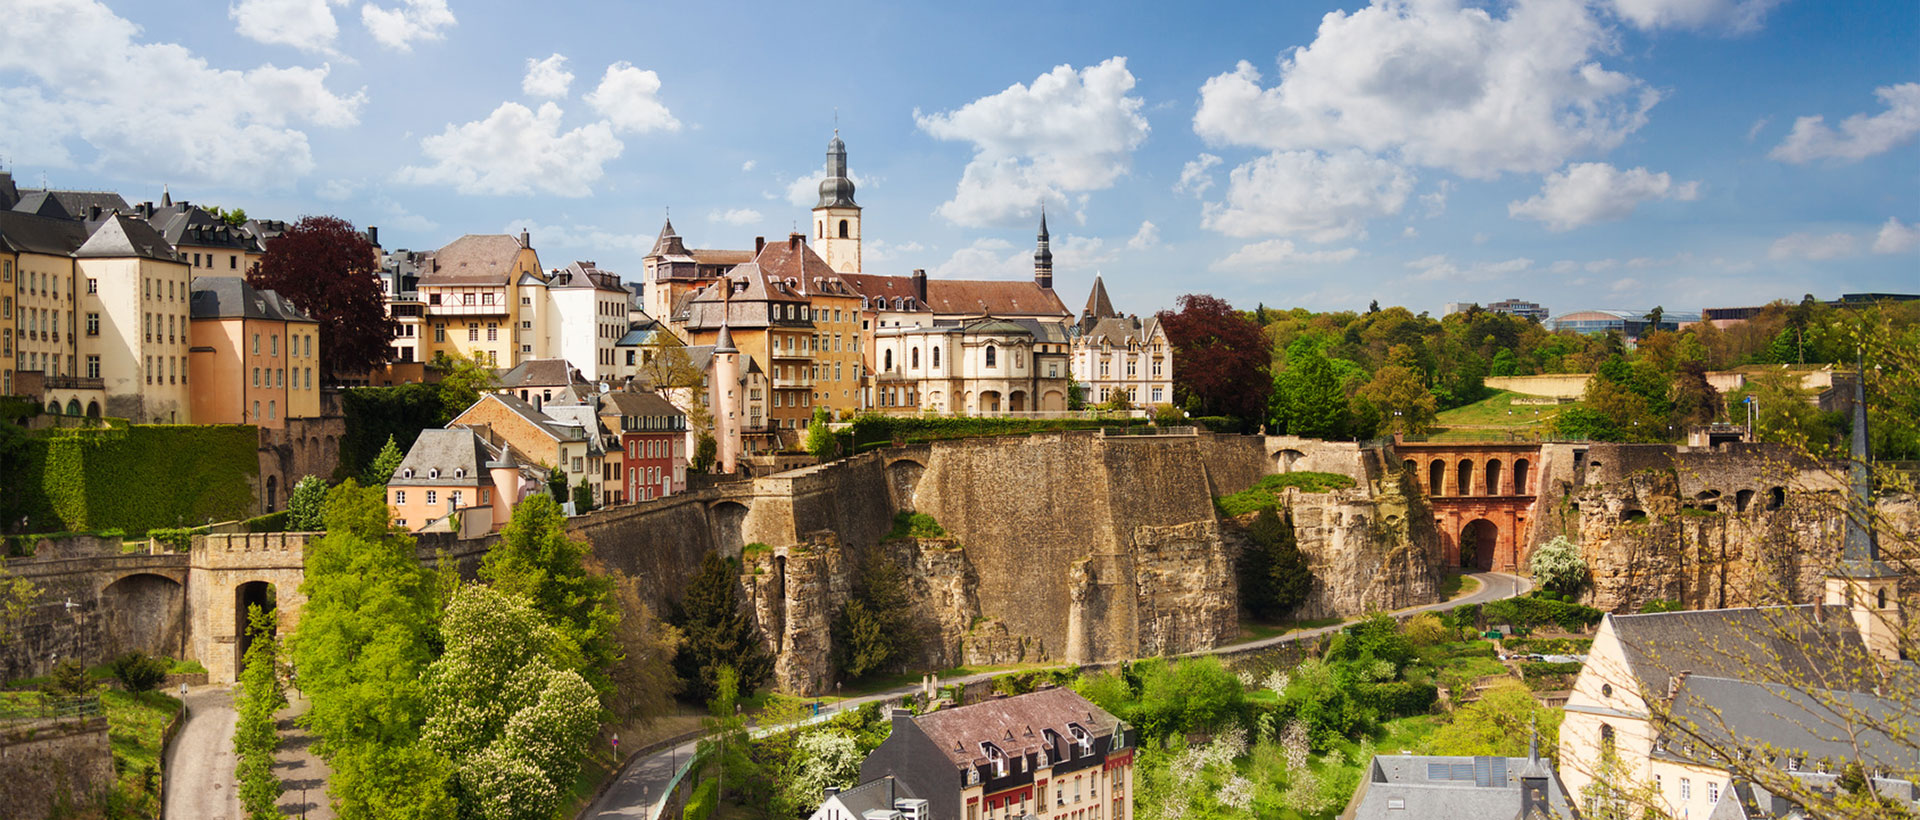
(1120, 355)
(1048, 755)
(571, 446)
(453, 479)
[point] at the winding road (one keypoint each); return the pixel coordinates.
(199, 765)
(636, 792)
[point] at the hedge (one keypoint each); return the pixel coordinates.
(1398, 698)
(140, 477)
(1528, 612)
(1531, 671)
(874, 428)
(271, 522)
(374, 413)
(700, 806)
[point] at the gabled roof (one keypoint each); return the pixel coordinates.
(1013, 724)
(1783, 644)
(121, 236)
(554, 429)
(584, 275)
(794, 262)
(28, 233)
(889, 288)
(1805, 720)
(474, 259)
(540, 373)
(42, 203)
(192, 226)
(1098, 305)
(445, 453)
(874, 795)
(639, 403)
(230, 297)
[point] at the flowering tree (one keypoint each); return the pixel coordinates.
(1557, 566)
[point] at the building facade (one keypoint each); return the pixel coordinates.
(1115, 355)
(254, 355)
(541, 440)
(455, 471)
(981, 367)
(587, 315)
(653, 438)
(483, 296)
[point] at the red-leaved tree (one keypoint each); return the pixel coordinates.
(328, 269)
(1220, 359)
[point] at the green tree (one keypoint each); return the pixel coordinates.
(1307, 398)
(384, 464)
(1498, 724)
(537, 560)
(727, 746)
(644, 683)
(874, 631)
(1076, 395)
(138, 671)
(16, 594)
(304, 504)
(254, 735)
(366, 635)
(1557, 566)
(704, 451)
(822, 759)
(1275, 577)
(718, 632)
(1398, 400)
(557, 485)
(582, 497)
(462, 379)
(507, 707)
(820, 441)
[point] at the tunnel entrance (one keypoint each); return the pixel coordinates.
(1478, 540)
(245, 597)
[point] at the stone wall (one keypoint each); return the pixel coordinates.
(50, 763)
(95, 602)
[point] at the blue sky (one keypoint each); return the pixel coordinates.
(1606, 153)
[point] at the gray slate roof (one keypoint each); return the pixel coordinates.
(227, 297)
(874, 795)
(451, 451)
(1446, 787)
(27, 233)
(1811, 722)
(121, 236)
(540, 373)
(1779, 644)
(639, 403)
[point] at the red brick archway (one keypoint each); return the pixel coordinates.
(1489, 486)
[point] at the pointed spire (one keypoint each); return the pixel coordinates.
(1043, 254)
(1860, 555)
(166, 197)
(1099, 306)
(1043, 221)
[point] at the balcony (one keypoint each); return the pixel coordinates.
(801, 383)
(75, 383)
(790, 355)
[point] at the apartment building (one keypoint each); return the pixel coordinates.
(456, 471)
(978, 367)
(587, 312)
(484, 295)
(542, 440)
(254, 355)
(653, 441)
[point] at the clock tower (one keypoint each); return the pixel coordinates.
(836, 220)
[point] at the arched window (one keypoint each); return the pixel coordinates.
(433, 472)
(93, 409)
(887, 362)
(1606, 737)
(991, 356)
(1881, 598)
(406, 473)
(936, 358)
(843, 229)
(53, 407)
(914, 359)
(73, 407)
(1436, 477)
(820, 230)
(1465, 485)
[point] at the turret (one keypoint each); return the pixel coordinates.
(1865, 586)
(1043, 255)
(724, 388)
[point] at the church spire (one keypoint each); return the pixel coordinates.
(1043, 255)
(836, 191)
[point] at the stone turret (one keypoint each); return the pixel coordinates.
(836, 219)
(724, 388)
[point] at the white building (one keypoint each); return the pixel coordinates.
(586, 312)
(984, 367)
(1115, 354)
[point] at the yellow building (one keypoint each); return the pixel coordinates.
(254, 356)
(482, 294)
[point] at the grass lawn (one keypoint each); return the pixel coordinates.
(1496, 415)
(1254, 630)
(1457, 585)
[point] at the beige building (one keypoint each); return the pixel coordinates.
(1115, 354)
(483, 294)
(506, 421)
(133, 284)
(254, 356)
(673, 270)
(983, 367)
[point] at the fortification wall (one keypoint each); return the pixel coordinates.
(95, 602)
(48, 763)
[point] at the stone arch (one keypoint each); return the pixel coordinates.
(1017, 401)
(1284, 460)
(728, 519)
(1411, 468)
(1479, 539)
(330, 450)
(1053, 400)
(1520, 468)
(903, 477)
(53, 407)
(1436, 477)
(249, 594)
(1742, 499)
(989, 399)
(93, 409)
(73, 407)
(1708, 500)
(144, 613)
(1464, 486)
(1493, 477)
(992, 357)
(273, 492)
(843, 229)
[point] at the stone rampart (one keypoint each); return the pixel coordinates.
(49, 763)
(95, 602)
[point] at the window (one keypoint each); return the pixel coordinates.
(473, 333)
(1686, 789)
(936, 358)
(256, 377)
(273, 345)
(93, 324)
(273, 410)
(399, 496)
(93, 366)
(1713, 792)
(990, 357)
(93, 285)
(433, 497)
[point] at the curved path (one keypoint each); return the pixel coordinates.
(637, 790)
(199, 766)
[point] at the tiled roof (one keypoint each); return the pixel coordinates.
(539, 373)
(638, 403)
(981, 297)
(1098, 305)
(474, 259)
(28, 233)
(795, 262)
(1014, 724)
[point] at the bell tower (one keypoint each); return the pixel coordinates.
(836, 220)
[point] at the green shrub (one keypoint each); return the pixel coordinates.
(1267, 491)
(137, 478)
(871, 428)
(1534, 670)
(1219, 424)
(1398, 698)
(187, 667)
(303, 504)
(1660, 605)
(700, 805)
(176, 539)
(138, 671)
(69, 679)
(907, 524)
(271, 522)
(1531, 612)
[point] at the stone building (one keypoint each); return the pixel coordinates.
(979, 367)
(673, 270)
(1120, 355)
(836, 219)
(1048, 755)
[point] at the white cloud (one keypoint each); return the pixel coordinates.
(337, 190)
(143, 106)
(734, 216)
(1436, 202)
(1000, 259)
(1441, 84)
(1068, 133)
(580, 238)
(1261, 257)
(517, 151)
(304, 24)
(1439, 268)
(1860, 136)
(630, 99)
(1322, 196)
(395, 215)
(748, 165)
(397, 28)
(1811, 247)
(1753, 131)
(1896, 238)
(1147, 237)
(1195, 177)
(1738, 15)
(1624, 284)
(1564, 266)
(548, 77)
(880, 250)
(1589, 192)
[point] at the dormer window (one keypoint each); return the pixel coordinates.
(433, 472)
(406, 473)
(459, 472)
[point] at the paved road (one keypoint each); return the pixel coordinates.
(641, 784)
(199, 766)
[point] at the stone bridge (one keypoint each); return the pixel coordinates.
(1482, 495)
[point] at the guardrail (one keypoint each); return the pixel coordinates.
(51, 709)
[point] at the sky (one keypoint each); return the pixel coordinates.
(1576, 153)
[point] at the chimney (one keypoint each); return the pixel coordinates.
(93, 213)
(759, 244)
(373, 234)
(795, 240)
(1674, 683)
(920, 285)
(525, 240)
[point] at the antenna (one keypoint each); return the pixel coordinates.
(836, 120)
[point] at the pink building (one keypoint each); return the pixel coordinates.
(454, 480)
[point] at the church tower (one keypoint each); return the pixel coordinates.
(836, 220)
(1043, 255)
